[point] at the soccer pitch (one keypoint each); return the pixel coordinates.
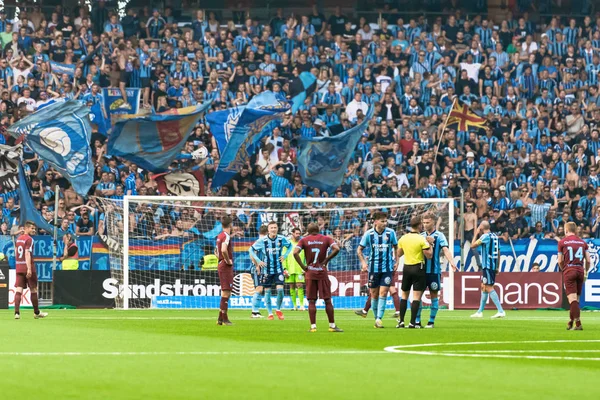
(111, 354)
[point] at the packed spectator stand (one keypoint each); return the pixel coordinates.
(531, 169)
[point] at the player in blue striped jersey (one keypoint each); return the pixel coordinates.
(271, 268)
(382, 262)
(262, 233)
(433, 266)
(490, 263)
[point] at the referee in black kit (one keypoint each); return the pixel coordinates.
(415, 248)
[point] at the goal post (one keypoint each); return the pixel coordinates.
(165, 244)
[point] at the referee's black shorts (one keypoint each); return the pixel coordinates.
(414, 277)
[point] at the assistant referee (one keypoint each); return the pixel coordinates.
(415, 248)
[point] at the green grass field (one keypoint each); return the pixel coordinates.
(109, 354)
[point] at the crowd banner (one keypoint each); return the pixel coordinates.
(113, 100)
(515, 290)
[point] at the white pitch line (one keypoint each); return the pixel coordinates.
(187, 353)
(485, 353)
(519, 351)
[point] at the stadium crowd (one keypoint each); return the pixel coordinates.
(533, 167)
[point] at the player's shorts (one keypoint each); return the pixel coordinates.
(488, 277)
(295, 278)
(226, 277)
(414, 277)
(318, 289)
(145, 82)
(270, 280)
(377, 279)
(433, 282)
(573, 279)
(124, 77)
(24, 282)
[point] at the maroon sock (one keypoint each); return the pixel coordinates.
(396, 299)
(34, 302)
(367, 306)
(18, 303)
(576, 312)
(329, 310)
(223, 308)
(312, 312)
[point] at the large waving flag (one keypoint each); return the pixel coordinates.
(322, 161)
(10, 158)
(153, 141)
(244, 127)
(60, 134)
(301, 88)
(465, 118)
(27, 209)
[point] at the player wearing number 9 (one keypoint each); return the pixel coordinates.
(574, 262)
(26, 272)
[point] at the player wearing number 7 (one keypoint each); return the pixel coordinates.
(574, 261)
(315, 247)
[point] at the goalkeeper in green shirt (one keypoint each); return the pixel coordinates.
(295, 274)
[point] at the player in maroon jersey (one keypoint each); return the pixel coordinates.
(574, 261)
(225, 254)
(315, 248)
(26, 272)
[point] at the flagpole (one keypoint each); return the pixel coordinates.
(56, 196)
(437, 149)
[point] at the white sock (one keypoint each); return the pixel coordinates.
(364, 312)
(313, 326)
(332, 325)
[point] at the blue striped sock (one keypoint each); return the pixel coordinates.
(435, 306)
(418, 319)
(484, 299)
(374, 306)
(381, 307)
(279, 299)
(268, 301)
(496, 300)
(255, 302)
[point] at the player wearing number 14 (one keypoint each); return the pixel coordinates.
(573, 260)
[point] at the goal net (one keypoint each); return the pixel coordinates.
(161, 249)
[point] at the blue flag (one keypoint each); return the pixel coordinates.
(60, 134)
(99, 118)
(244, 127)
(322, 161)
(301, 88)
(59, 68)
(153, 141)
(27, 209)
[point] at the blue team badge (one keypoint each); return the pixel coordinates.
(484, 280)
(434, 286)
(388, 280)
(280, 277)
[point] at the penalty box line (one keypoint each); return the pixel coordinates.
(189, 353)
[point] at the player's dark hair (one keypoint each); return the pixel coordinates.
(271, 223)
(264, 229)
(29, 224)
(415, 223)
(379, 215)
(312, 229)
(296, 230)
(226, 221)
